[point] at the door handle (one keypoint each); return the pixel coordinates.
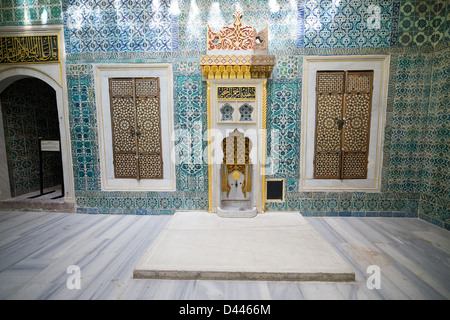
(340, 123)
(135, 133)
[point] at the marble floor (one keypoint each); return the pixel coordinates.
(38, 248)
(51, 199)
(51, 194)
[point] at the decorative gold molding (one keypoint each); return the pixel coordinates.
(247, 60)
(29, 49)
(263, 146)
(209, 115)
(237, 67)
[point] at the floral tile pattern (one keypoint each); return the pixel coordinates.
(422, 22)
(83, 127)
(189, 134)
(283, 142)
(288, 67)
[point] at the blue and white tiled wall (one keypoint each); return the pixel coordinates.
(413, 32)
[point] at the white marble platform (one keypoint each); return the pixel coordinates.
(271, 246)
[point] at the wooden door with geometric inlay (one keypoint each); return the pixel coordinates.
(343, 110)
(136, 128)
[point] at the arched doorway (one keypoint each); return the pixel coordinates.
(29, 112)
(34, 81)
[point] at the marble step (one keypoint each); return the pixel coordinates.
(17, 205)
(279, 246)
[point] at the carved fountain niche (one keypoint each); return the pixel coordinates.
(236, 68)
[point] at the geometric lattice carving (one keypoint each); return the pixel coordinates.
(144, 87)
(357, 117)
(151, 166)
(343, 109)
(330, 82)
(122, 87)
(328, 136)
(354, 165)
(360, 82)
(136, 128)
(125, 165)
(327, 165)
(123, 121)
(149, 126)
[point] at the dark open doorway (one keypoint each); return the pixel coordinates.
(29, 111)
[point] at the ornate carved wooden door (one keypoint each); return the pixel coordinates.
(136, 128)
(343, 109)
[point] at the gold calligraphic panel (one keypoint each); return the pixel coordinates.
(236, 92)
(29, 49)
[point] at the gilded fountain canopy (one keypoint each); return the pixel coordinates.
(237, 51)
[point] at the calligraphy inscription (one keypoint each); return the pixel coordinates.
(236, 92)
(29, 49)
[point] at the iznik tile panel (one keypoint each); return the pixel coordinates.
(288, 67)
(119, 26)
(30, 12)
(189, 134)
(422, 22)
(346, 23)
(83, 127)
(284, 136)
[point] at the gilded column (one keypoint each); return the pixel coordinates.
(263, 138)
(209, 116)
